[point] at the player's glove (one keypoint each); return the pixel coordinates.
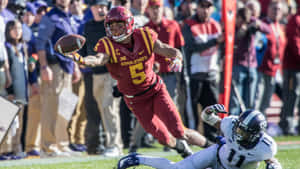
(209, 114)
(273, 165)
(76, 57)
(176, 65)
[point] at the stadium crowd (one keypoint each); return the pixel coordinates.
(266, 60)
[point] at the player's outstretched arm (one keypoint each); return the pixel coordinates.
(169, 52)
(99, 59)
(92, 60)
(166, 50)
(273, 163)
(209, 115)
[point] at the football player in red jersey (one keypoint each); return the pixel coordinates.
(128, 54)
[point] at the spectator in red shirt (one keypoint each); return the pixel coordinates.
(203, 36)
(273, 57)
(168, 32)
(291, 74)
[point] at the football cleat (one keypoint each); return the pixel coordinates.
(128, 161)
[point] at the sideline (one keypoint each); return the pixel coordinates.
(86, 158)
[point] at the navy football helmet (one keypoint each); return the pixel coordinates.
(249, 127)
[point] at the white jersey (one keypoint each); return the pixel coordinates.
(233, 156)
(229, 156)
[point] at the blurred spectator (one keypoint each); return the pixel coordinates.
(17, 56)
(41, 9)
(124, 3)
(186, 9)
(138, 8)
(17, 7)
(168, 13)
(27, 20)
(102, 84)
(273, 57)
(78, 121)
(244, 60)
(264, 6)
(5, 81)
(261, 40)
(203, 36)
(291, 75)
(254, 7)
(5, 77)
(77, 11)
(56, 75)
(7, 14)
(93, 30)
(33, 131)
(77, 125)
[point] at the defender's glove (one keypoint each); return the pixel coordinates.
(209, 114)
(273, 165)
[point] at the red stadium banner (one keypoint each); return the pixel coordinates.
(228, 17)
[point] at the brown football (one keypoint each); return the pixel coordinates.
(69, 43)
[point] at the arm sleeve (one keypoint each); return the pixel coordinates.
(46, 29)
(152, 35)
(99, 47)
(264, 28)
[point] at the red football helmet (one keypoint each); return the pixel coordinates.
(119, 13)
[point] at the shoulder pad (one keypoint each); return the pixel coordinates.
(268, 147)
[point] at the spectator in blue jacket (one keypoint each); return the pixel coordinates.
(56, 75)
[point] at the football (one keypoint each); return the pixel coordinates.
(69, 43)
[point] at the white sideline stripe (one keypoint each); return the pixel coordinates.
(58, 160)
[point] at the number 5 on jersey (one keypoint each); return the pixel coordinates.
(137, 74)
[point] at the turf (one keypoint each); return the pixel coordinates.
(288, 155)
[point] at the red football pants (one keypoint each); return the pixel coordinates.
(158, 115)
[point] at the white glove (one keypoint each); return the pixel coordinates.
(176, 65)
(273, 165)
(216, 108)
(209, 114)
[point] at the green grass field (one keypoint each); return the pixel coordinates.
(288, 155)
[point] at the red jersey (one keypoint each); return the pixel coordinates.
(132, 69)
(275, 50)
(169, 32)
